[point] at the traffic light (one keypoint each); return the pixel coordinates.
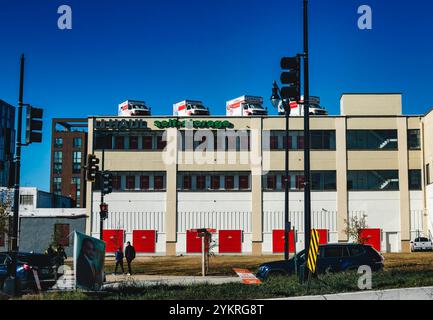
(103, 211)
(291, 77)
(34, 124)
(107, 183)
(92, 167)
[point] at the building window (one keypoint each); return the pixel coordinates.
(26, 199)
(201, 182)
(274, 143)
(322, 140)
(244, 182)
(76, 165)
(58, 143)
(413, 139)
(77, 143)
(103, 142)
(229, 182)
(117, 182)
(271, 182)
(58, 160)
(415, 180)
(61, 234)
(119, 142)
(57, 185)
(300, 182)
(130, 182)
(160, 143)
(427, 173)
(147, 142)
(372, 140)
(133, 142)
(187, 182)
(283, 182)
(373, 180)
(215, 182)
(158, 182)
(323, 180)
(144, 183)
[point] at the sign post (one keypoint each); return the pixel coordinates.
(205, 235)
(312, 254)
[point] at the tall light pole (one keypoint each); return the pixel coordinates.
(307, 176)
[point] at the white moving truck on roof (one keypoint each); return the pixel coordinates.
(297, 109)
(188, 108)
(246, 106)
(133, 108)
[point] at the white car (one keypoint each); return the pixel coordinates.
(421, 244)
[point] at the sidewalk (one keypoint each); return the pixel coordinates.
(149, 280)
(424, 293)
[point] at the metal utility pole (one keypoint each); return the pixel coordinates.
(286, 189)
(15, 220)
(307, 176)
(101, 176)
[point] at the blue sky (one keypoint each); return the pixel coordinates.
(212, 50)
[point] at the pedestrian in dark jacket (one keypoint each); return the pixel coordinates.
(119, 260)
(129, 255)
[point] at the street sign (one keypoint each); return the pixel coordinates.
(247, 276)
(313, 251)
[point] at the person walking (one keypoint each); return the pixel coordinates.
(61, 255)
(130, 256)
(119, 260)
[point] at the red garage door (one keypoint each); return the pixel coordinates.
(323, 236)
(144, 241)
(278, 241)
(230, 241)
(113, 239)
(193, 242)
(371, 237)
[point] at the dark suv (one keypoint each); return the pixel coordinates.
(331, 258)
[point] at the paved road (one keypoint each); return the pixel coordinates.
(424, 293)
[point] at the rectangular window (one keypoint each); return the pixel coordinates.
(322, 140)
(103, 142)
(160, 143)
(271, 182)
(415, 180)
(147, 143)
(119, 142)
(323, 180)
(26, 199)
(187, 183)
(229, 182)
(215, 182)
(300, 143)
(58, 143)
(413, 139)
(57, 168)
(274, 143)
(57, 185)
(77, 143)
(427, 173)
(58, 157)
(300, 180)
(372, 140)
(144, 183)
(133, 142)
(374, 180)
(117, 182)
(283, 182)
(61, 234)
(130, 182)
(158, 182)
(244, 182)
(76, 163)
(201, 182)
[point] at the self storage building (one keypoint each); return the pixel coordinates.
(172, 175)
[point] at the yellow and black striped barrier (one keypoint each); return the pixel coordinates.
(313, 251)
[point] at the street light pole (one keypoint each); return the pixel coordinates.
(307, 178)
(286, 185)
(101, 179)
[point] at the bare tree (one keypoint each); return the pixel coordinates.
(354, 227)
(5, 210)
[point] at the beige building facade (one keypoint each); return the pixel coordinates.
(173, 175)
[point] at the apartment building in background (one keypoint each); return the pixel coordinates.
(68, 156)
(7, 143)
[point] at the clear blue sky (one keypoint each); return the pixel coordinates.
(213, 50)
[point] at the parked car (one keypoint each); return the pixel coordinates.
(26, 262)
(331, 258)
(421, 244)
